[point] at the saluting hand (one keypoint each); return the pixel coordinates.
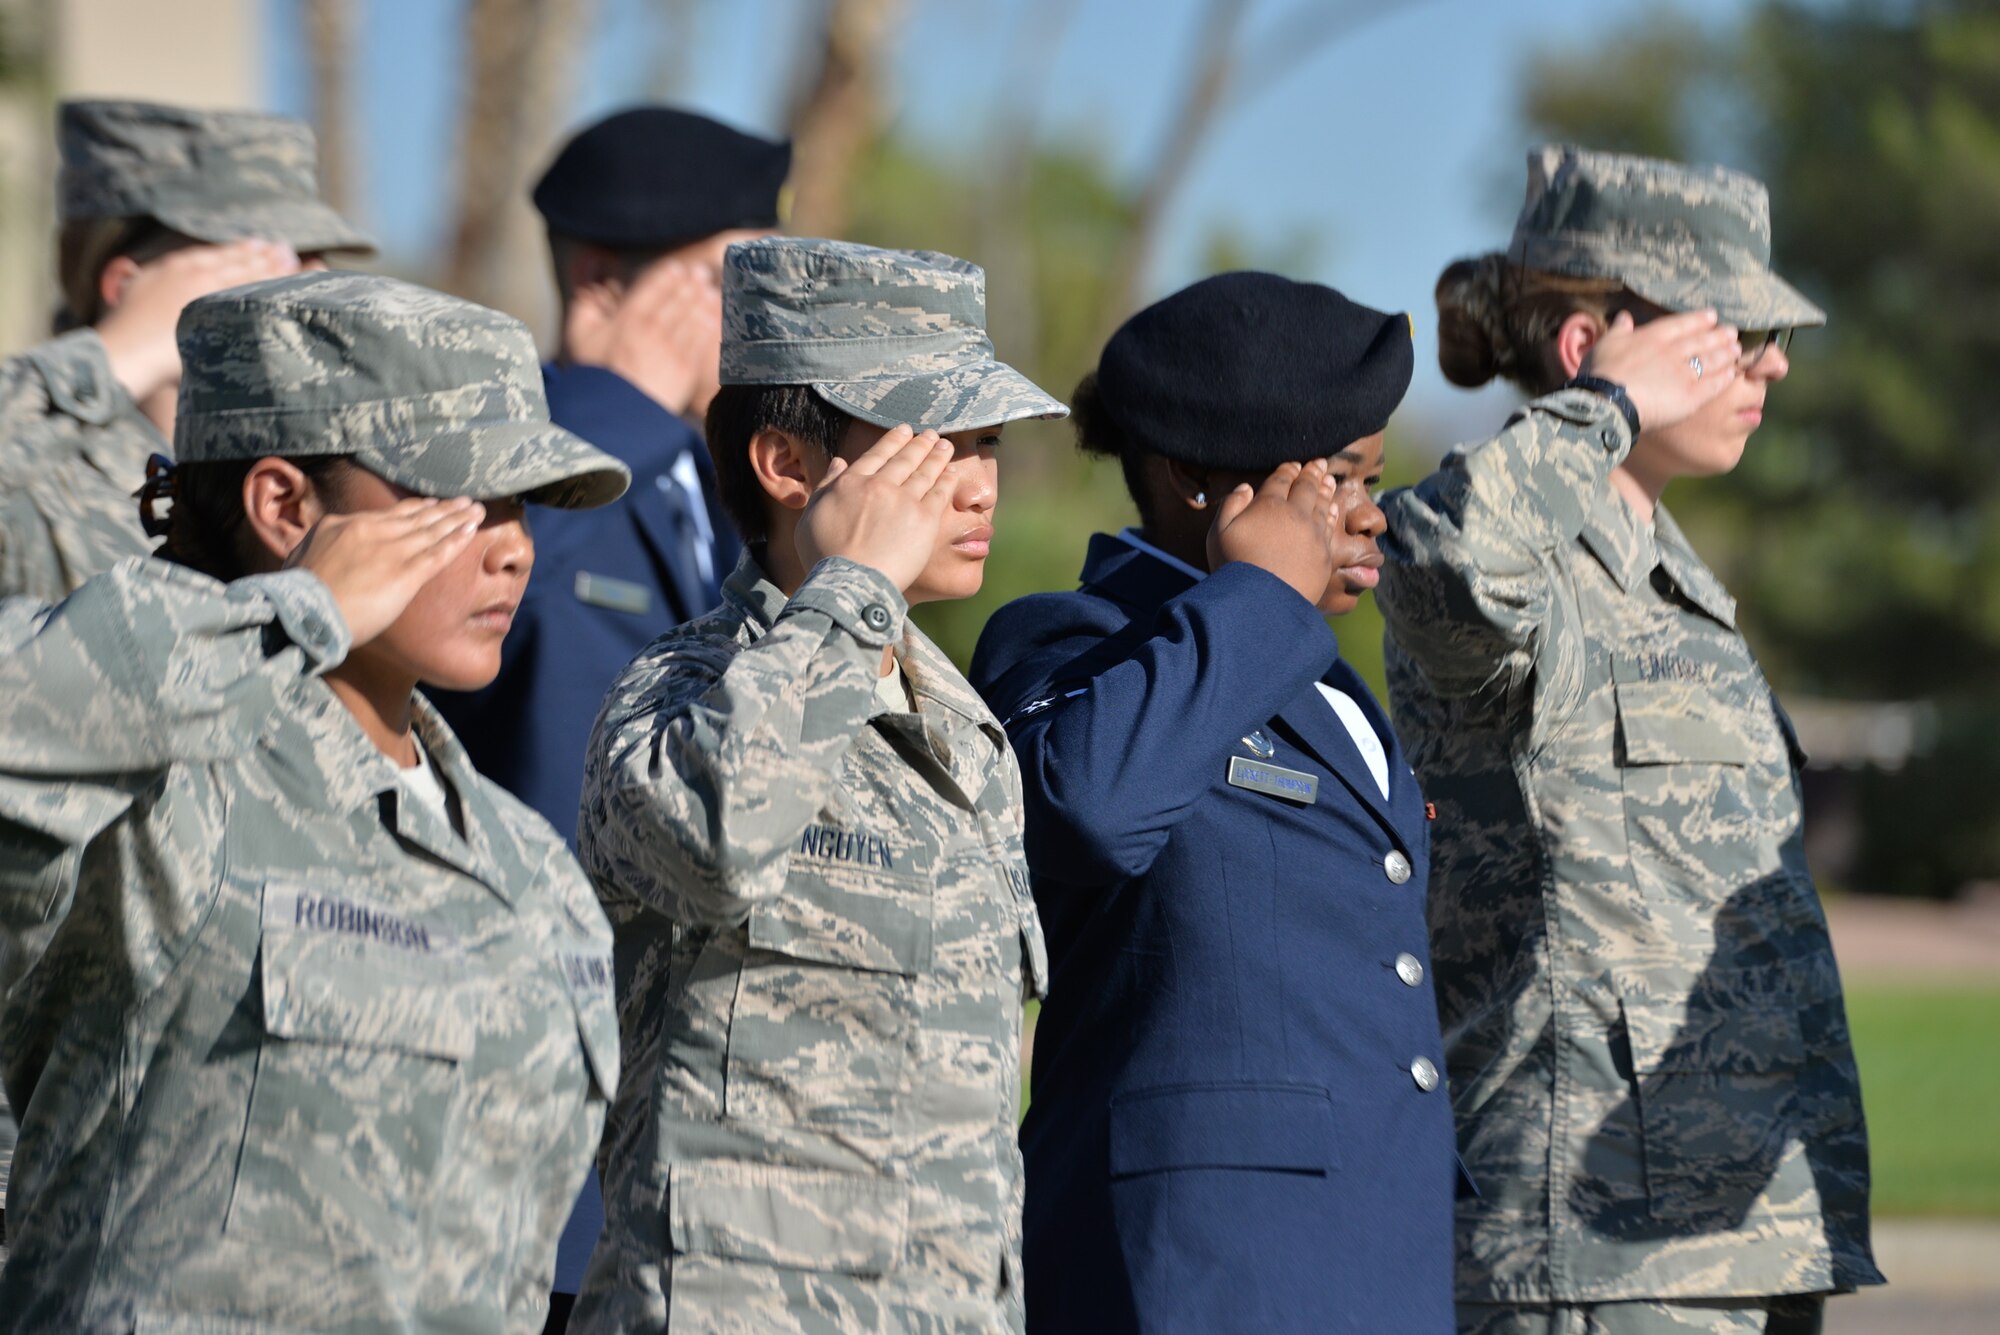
(883, 510)
(1284, 526)
(1655, 362)
(374, 561)
(663, 333)
(138, 330)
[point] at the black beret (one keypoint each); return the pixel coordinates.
(1246, 371)
(658, 178)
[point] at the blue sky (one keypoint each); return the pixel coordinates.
(1395, 149)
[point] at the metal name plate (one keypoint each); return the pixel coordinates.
(1276, 780)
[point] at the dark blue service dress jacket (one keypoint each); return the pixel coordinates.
(605, 583)
(1238, 1118)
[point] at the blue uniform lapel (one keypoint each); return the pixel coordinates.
(1311, 723)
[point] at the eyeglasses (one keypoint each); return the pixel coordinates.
(1757, 342)
(1754, 342)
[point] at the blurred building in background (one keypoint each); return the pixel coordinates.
(203, 52)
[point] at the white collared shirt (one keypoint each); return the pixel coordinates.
(1345, 708)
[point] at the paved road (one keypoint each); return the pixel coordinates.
(1944, 1279)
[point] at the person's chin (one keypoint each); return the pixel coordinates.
(1723, 457)
(466, 672)
(963, 581)
(1339, 601)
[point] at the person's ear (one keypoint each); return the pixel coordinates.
(280, 506)
(114, 278)
(594, 266)
(1190, 486)
(786, 468)
(1577, 335)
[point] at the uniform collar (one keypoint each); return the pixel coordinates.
(932, 676)
(1629, 551)
(1690, 574)
(1137, 575)
(361, 782)
(1619, 540)
(946, 702)
(750, 591)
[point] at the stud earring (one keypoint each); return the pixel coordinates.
(1200, 500)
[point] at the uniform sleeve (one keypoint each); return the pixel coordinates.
(1112, 754)
(1467, 584)
(148, 665)
(707, 763)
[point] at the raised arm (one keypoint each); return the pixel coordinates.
(705, 767)
(1118, 738)
(708, 761)
(1466, 589)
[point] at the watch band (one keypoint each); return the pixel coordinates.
(1613, 391)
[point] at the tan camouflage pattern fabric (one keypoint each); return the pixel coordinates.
(1722, 1316)
(1681, 237)
(888, 336)
(1647, 1045)
(437, 394)
(824, 939)
(294, 1055)
(216, 176)
(73, 448)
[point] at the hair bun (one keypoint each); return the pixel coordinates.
(1473, 346)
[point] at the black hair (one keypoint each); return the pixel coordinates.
(1097, 433)
(207, 528)
(629, 261)
(736, 415)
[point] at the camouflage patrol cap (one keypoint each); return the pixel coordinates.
(431, 392)
(1681, 237)
(217, 176)
(888, 336)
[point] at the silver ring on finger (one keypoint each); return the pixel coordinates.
(1694, 364)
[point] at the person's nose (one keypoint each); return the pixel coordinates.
(510, 548)
(975, 480)
(1366, 518)
(1774, 365)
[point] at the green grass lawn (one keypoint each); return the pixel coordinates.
(1930, 1078)
(1930, 1075)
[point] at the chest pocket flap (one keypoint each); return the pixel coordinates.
(1671, 720)
(849, 900)
(336, 970)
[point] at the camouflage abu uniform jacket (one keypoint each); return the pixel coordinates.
(73, 450)
(823, 939)
(1648, 1049)
(293, 1055)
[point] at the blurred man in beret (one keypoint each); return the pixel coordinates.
(640, 207)
(1240, 1121)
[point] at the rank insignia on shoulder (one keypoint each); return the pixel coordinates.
(620, 595)
(1260, 745)
(1042, 704)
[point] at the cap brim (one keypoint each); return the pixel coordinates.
(537, 461)
(1760, 300)
(985, 393)
(307, 226)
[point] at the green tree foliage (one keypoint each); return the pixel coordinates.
(1862, 530)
